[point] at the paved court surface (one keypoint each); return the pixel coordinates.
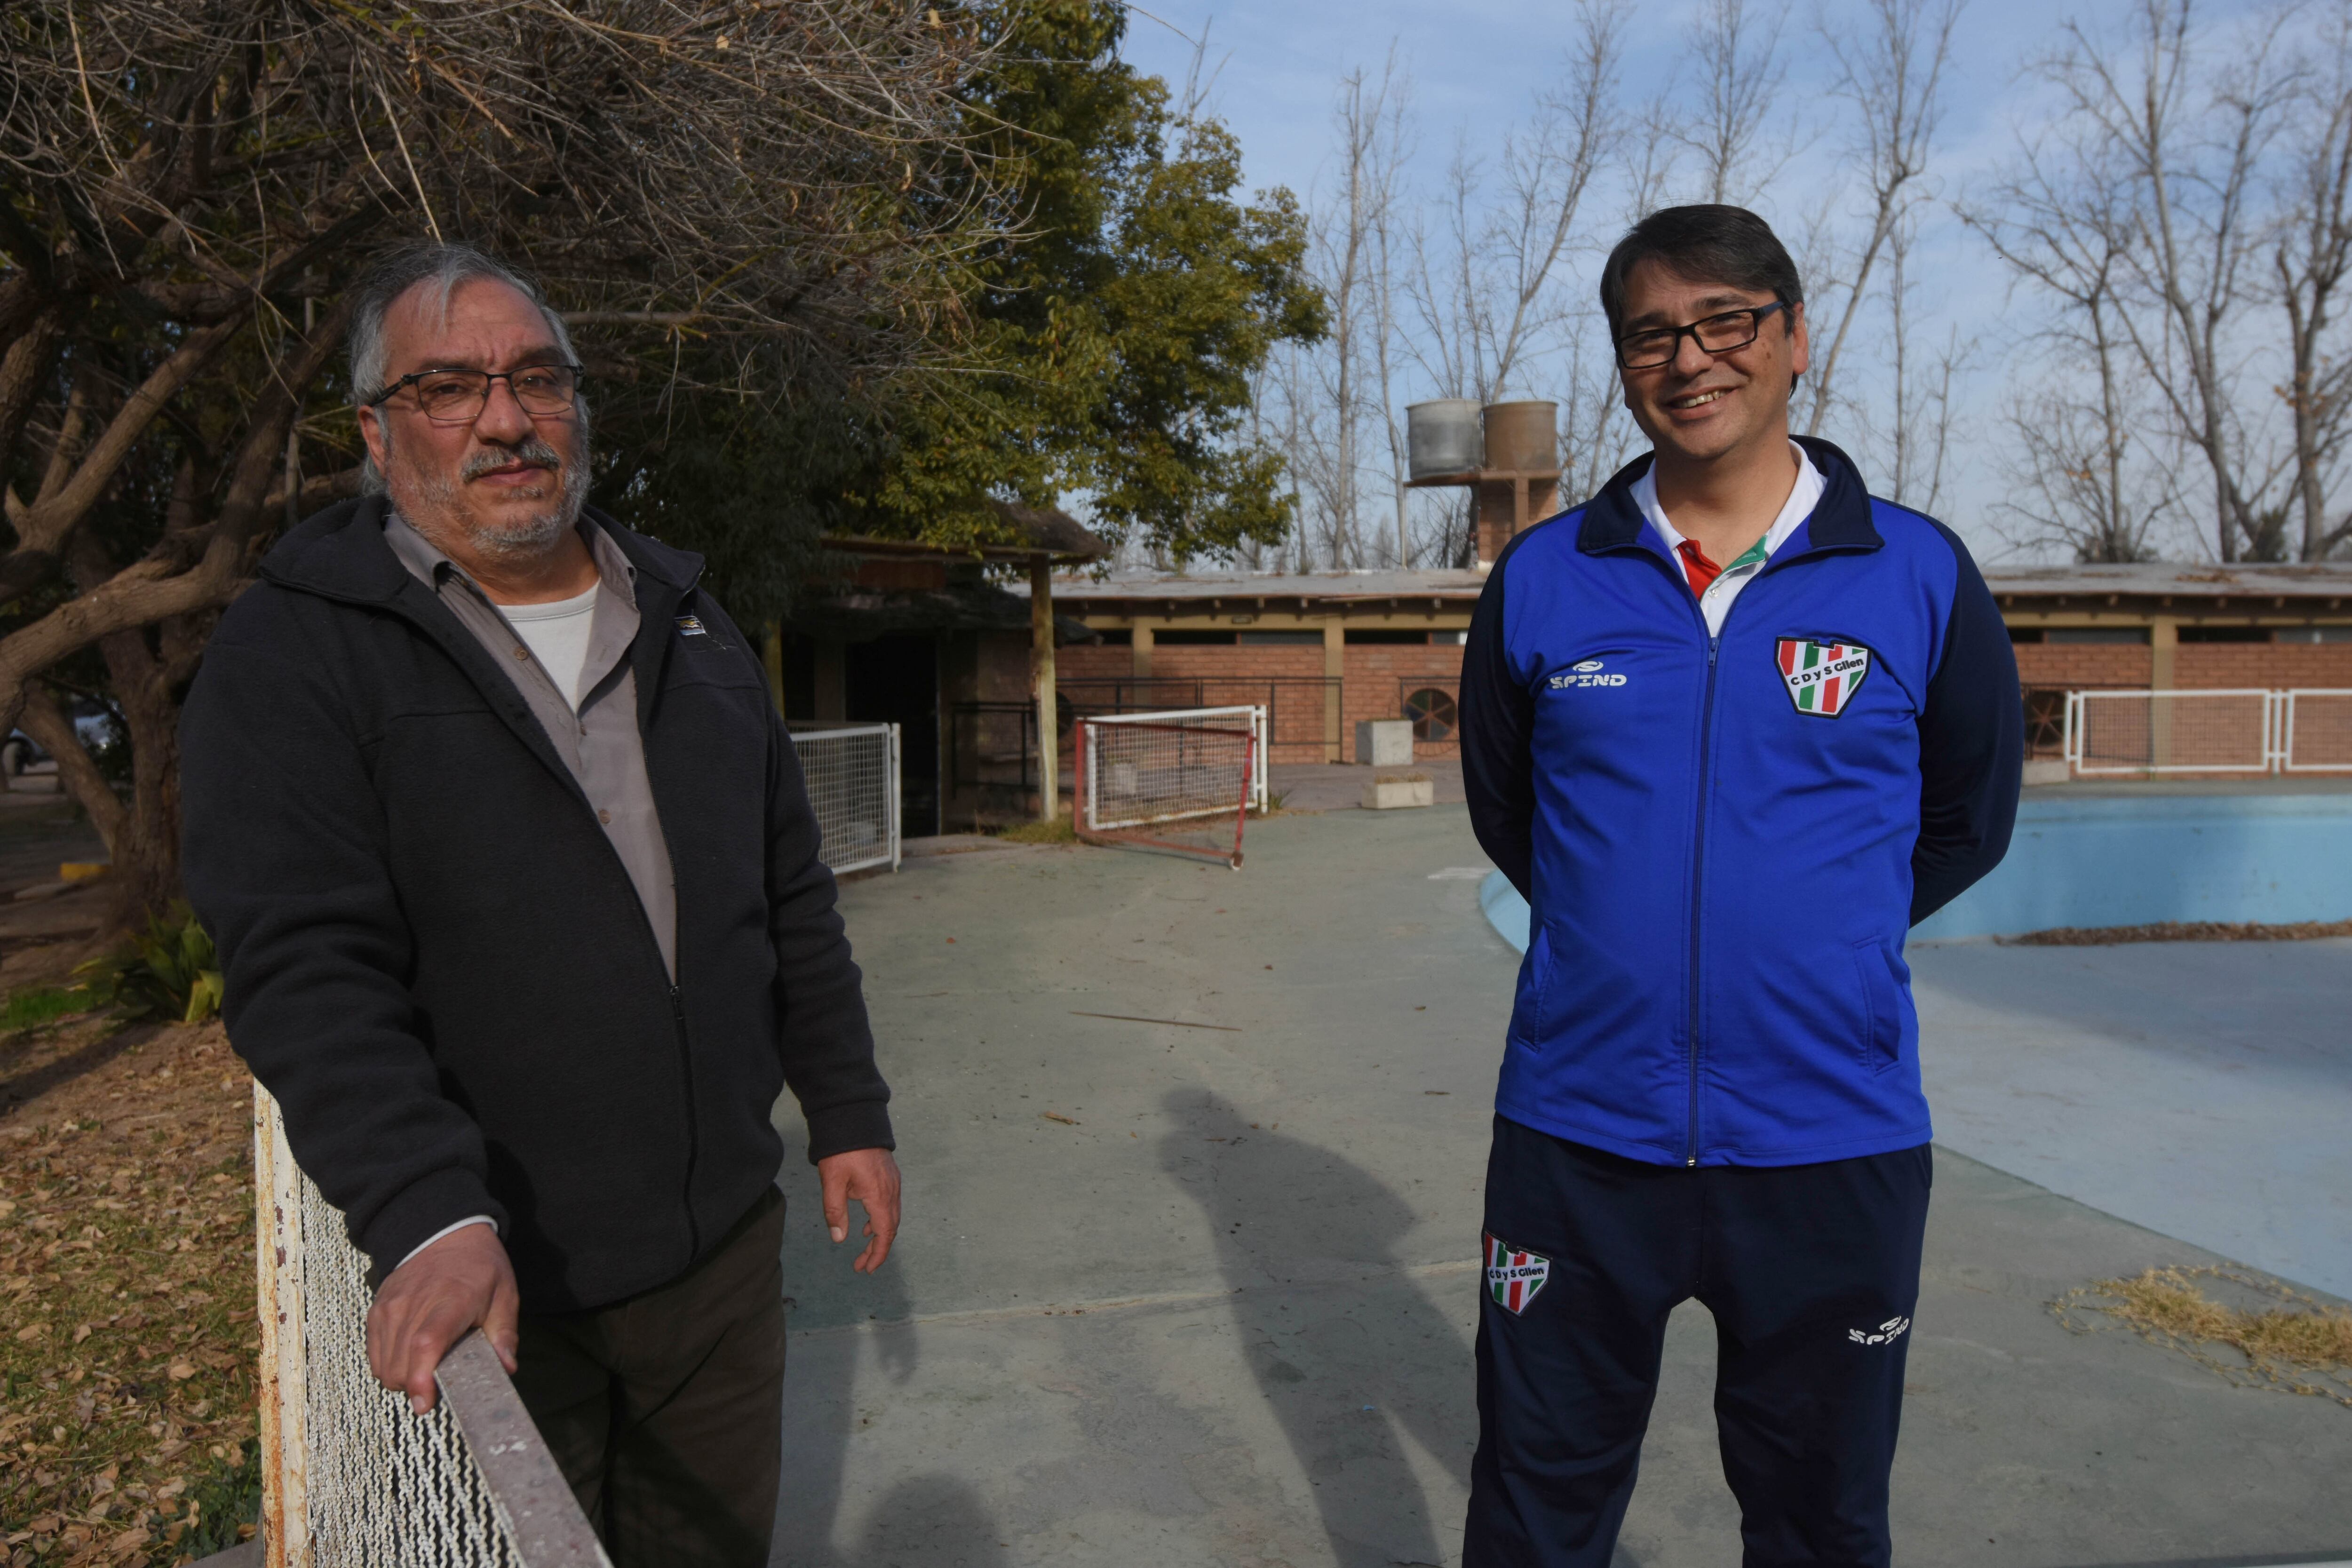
(1189, 1295)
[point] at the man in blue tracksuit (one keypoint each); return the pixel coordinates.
(1733, 726)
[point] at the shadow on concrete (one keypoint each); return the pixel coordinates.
(935, 1520)
(1351, 1372)
(821, 1392)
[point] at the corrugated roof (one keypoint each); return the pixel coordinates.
(2325, 580)
(1329, 585)
(2140, 579)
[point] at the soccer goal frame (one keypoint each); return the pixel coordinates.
(1184, 751)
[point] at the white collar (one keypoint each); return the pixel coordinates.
(1805, 495)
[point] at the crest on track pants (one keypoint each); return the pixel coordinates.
(1514, 1276)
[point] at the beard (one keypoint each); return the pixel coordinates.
(435, 502)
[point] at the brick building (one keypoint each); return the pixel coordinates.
(1325, 651)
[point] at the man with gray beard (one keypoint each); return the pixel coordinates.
(518, 898)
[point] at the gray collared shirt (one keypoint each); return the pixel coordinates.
(597, 737)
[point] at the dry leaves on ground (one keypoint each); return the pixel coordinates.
(126, 1270)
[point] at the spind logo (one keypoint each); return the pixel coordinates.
(1584, 672)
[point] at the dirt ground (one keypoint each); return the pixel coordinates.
(127, 1334)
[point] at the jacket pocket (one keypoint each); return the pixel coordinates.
(1529, 1024)
(1881, 1005)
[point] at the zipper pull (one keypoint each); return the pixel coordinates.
(1712, 644)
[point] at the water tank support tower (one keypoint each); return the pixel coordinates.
(1507, 454)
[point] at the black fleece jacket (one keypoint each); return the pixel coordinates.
(437, 962)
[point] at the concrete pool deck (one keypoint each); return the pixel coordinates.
(1200, 1289)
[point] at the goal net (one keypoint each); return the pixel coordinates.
(352, 1477)
(1144, 771)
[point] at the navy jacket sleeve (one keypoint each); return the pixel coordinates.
(284, 854)
(827, 1048)
(1498, 741)
(1972, 748)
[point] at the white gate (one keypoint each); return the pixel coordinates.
(852, 772)
(2314, 728)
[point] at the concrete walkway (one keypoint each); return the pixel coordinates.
(1199, 1289)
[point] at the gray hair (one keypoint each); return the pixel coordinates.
(441, 267)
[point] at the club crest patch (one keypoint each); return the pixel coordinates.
(1513, 1276)
(691, 626)
(1821, 676)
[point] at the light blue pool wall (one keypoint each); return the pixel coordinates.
(2130, 860)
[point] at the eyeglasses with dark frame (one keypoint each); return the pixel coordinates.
(452, 396)
(1719, 334)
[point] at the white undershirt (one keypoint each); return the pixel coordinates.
(557, 636)
(1715, 602)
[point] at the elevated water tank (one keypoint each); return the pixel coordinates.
(1523, 436)
(1442, 436)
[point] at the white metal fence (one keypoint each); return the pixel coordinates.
(2232, 730)
(852, 772)
(351, 1477)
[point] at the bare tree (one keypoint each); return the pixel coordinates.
(1486, 293)
(1739, 142)
(191, 182)
(2190, 144)
(1893, 77)
(1923, 415)
(2059, 220)
(2311, 257)
(1349, 369)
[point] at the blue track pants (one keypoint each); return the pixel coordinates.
(1811, 1271)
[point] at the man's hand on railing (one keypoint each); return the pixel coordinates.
(460, 1282)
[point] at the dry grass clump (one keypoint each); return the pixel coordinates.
(2180, 931)
(127, 1340)
(1063, 829)
(2289, 1342)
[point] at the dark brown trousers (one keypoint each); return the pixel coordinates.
(665, 1410)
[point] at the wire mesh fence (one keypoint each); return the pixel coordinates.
(852, 774)
(351, 1477)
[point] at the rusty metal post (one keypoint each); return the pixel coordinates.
(278, 1200)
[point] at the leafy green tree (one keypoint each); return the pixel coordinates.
(1110, 338)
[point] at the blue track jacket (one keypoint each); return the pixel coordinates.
(1723, 841)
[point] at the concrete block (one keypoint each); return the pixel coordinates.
(1384, 742)
(2047, 770)
(1389, 794)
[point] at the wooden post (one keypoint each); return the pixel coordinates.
(771, 655)
(1040, 667)
(1335, 664)
(2163, 644)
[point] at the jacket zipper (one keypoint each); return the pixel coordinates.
(693, 1135)
(1698, 872)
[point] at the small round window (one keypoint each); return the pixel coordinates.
(1432, 714)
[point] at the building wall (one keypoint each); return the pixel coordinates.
(1374, 671)
(2080, 665)
(2273, 665)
